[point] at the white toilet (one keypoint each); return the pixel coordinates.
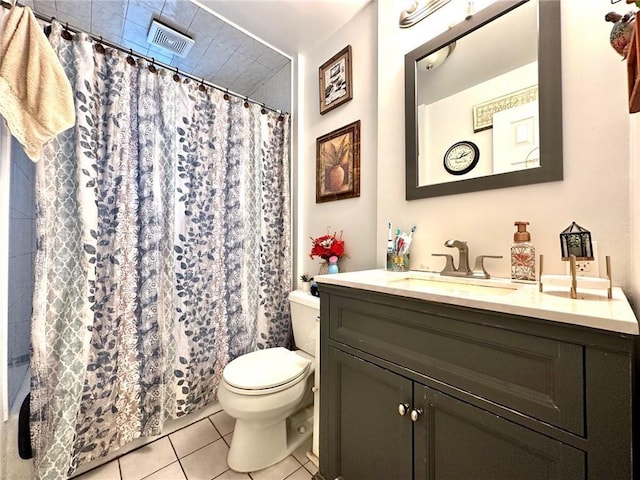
(269, 393)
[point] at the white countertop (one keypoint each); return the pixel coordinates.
(592, 308)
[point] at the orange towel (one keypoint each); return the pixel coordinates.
(35, 95)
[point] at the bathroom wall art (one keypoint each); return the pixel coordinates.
(335, 81)
(338, 164)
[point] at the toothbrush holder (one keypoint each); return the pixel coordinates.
(397, 262)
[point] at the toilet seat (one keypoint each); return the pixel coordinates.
(265, 371)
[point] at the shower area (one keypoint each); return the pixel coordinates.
(22, 248)
(148, 246)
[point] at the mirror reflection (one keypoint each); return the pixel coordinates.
(482, 90)
(474, 118)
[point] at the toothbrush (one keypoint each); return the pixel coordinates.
(389, 240)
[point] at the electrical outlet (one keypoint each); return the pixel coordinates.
(586, 268)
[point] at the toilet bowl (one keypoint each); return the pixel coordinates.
(269, 393)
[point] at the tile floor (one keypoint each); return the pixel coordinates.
(197, 452)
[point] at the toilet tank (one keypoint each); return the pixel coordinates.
(305, 311)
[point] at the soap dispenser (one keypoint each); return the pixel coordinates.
(523, 255)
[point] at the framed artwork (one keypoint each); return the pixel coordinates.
(483, 112)
(338, 164)
(335, 80)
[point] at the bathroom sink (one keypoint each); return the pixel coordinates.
(425, 281)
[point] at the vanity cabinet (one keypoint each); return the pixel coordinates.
(413, 389)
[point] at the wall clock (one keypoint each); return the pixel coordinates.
(461, 157)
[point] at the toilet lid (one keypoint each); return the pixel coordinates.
(265, 369)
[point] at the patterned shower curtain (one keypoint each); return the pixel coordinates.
(163, 252)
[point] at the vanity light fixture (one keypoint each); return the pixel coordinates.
(575, 240)
(437, 58)
(415, 13)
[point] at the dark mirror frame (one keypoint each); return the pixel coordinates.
(549, 101)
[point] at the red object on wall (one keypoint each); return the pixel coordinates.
(633, 68)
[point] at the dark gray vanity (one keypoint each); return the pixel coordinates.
(413, 388)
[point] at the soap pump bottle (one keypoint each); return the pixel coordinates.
(523, 255)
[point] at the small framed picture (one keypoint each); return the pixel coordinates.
(338, 164)
(335, 80)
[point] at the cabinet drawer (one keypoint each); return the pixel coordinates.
(539, 377)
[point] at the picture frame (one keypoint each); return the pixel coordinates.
(338, 164)
(335, 81)
(483, 112)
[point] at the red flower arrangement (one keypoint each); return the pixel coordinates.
(327, 246)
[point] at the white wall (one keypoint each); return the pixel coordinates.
(596, 188)
(355, 217)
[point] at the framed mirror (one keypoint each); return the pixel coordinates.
(483, 102)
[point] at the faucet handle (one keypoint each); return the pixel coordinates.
(478, 269)
(448, 266)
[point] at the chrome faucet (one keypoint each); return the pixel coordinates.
(463, 270)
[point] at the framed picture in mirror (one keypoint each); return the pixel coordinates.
(338, 164)
(335, 81)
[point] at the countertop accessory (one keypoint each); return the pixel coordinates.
(398, 250)
(461, 157)
(333, 265)
(523, 255)
(326, 247)
(575, 281)
(576, 241)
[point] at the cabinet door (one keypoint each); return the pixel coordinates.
(366, 437)
(458, 441)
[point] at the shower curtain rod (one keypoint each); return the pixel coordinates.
(153, 62)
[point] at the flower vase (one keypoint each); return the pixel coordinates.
(333, 265)
(306, 287)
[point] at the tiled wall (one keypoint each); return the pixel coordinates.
(276, 92)
(21, 254)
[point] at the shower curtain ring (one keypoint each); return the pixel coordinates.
(202, 88)
(226, 94)
(263, 110)
(246, 102)
(65, 33)
(99, 46)
(152, 67)
(130, 60)
(176, 77)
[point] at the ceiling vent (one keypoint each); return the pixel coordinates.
(169, 39)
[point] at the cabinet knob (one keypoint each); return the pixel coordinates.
(415, 414)
(403, 408)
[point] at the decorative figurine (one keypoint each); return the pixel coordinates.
(621, 32)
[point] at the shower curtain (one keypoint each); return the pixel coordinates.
(163, 252)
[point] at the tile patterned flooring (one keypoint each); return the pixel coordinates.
(197, 452)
